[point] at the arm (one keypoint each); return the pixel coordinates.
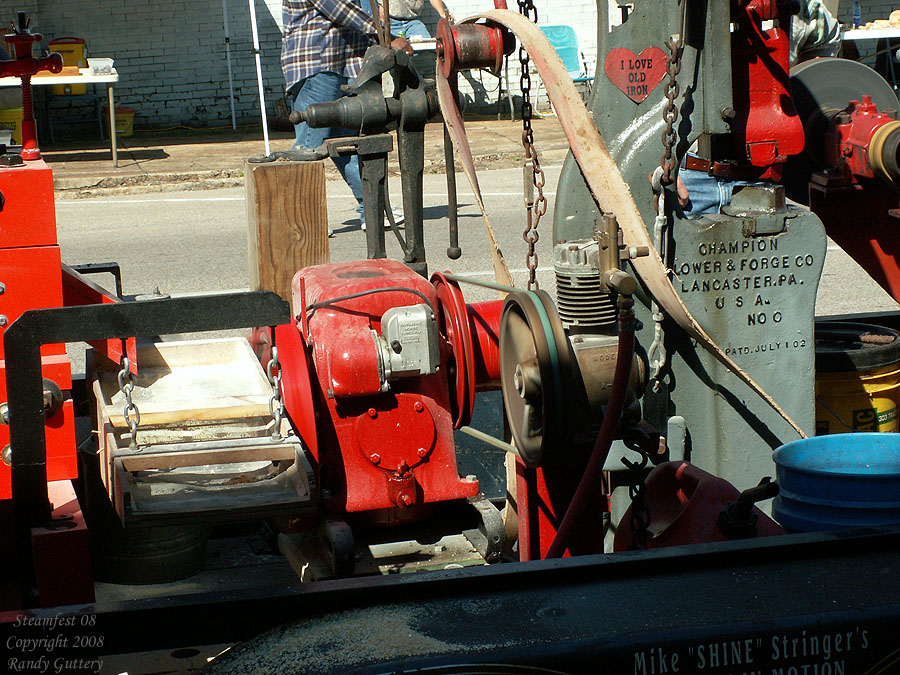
(400, 43)
(814, 32)
(441, 10)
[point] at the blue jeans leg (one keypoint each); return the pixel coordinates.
(326, 86)
(410, 28)
(706, 192)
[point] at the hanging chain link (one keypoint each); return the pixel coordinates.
(132, 414)
(637, 489)
(276, 404)
(535, 208)
(656, 353)
(670, 112)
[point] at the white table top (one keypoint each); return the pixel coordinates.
(84, 77)
(857, 34)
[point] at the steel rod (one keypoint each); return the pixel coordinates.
(484, 284)
(228, 62)
(259, 77)
(490, 440)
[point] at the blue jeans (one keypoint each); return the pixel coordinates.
(409, 28)
(326, 86)
(707, 194)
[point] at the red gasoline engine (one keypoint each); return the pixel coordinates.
(380, 366)
(379, 369)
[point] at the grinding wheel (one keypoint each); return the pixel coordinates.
(535, 374)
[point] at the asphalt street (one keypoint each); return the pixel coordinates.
(197, 241)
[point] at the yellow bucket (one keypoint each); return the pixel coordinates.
(857, 378)
(73, 51)
(11, 120)
(124, 121)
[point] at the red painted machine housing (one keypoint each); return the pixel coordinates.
(30, 271)
(858, 208)
(847, 140)
(376, 449)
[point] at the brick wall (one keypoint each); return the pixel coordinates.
(171, 55)
(869, 10)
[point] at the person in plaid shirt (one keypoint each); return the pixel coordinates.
(323, 48)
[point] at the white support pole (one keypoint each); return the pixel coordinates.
(259, 77)
(228, 61)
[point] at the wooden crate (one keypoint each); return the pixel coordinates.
(205, 440)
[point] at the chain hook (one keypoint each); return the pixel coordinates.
(131, 412)
(637, 488)
(535, 208)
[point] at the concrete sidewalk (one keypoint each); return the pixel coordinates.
(154, 162)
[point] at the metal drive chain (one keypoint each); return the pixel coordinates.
(670, 112)
(534, 208)
(276, 404)
(132, 414)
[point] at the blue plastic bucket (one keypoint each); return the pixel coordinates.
(838, 481)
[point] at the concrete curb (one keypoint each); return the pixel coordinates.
(72, 187)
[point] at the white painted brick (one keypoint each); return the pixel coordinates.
(171, 55)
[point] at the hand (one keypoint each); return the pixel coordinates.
(682, 192)
(402, 44)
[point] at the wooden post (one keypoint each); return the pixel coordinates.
(287, 221)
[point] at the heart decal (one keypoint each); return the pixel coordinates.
(638, 75)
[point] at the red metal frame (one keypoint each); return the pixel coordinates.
(848, 138)
(859, 211)
(32, 277)
(79, 290)
(62, 555)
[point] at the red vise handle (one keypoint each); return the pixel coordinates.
(24, 66)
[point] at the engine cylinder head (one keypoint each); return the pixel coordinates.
(584, 302)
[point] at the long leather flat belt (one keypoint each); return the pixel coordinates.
(603, 178)
(718, 169)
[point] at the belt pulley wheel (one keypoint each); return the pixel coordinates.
(535, 374)
(454, 325)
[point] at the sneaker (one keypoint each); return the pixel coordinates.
(399, 218)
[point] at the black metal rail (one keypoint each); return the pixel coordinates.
(764, 605)
(22, 343)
